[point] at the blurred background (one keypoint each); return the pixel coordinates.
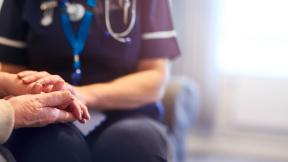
(234, 53)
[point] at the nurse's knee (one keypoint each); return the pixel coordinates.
(132, 140)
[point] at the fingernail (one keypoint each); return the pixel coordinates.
(83, 121)
(40, 81)
(26, 79)
(19, 75)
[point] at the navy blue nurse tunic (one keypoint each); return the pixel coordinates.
(103, 59)
(24, 41)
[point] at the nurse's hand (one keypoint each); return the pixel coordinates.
(50, 83)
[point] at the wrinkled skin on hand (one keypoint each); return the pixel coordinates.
(40, 109)
(45, 82)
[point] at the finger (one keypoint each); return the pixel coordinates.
(55, 80)
(53, 99)
(8, 97)
(50, 79)
(53, 115)
(85, 111)
(76, 110)
(64, 106)
(85, 117)
(35, 88)
(34, 77)
(59, 86)
(65, 117)
(47, 88)
(69, 87)
(26, 73)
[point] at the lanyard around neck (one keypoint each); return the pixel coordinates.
(77, 41)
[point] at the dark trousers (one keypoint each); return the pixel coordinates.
(53, 143)
(127, 139)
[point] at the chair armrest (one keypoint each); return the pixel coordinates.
(181, 103)
(5, 155)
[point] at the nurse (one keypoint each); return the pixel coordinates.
(118, 64)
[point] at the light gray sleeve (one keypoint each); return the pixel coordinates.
(6, 120)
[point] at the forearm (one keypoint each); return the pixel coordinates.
(128, 92)
(6, 78)
(2, 85)
(11, 68)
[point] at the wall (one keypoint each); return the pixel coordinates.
(258, 103)
(195, 22)
(247, 114)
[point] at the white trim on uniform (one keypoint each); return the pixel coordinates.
(1, 4)
(159, 35)
(12, 43)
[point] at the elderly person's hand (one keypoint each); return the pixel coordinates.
(45, 82)
(41, 109)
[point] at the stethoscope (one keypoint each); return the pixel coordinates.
(123, 36)
(76, 12)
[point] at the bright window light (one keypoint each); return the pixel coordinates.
(254, 37)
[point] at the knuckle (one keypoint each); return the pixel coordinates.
(66, 93)
(58, 77)
(44, 73)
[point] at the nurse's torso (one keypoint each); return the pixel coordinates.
(103, 58)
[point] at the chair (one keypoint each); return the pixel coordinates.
(181, 107)
(5, 155)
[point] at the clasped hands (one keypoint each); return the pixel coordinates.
(56, 93)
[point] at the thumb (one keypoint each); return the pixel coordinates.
(53, 99)
(64, 117)
(53, 115)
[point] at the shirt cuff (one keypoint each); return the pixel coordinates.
(6, 120)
